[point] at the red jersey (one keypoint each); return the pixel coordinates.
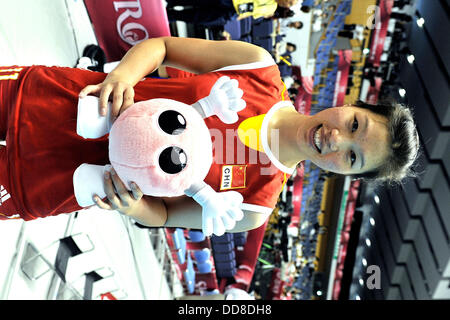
(43, 150)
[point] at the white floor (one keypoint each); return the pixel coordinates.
(54, 32)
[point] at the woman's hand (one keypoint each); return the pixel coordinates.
(121, 91)
(118, 197)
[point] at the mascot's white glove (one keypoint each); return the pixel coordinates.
(220, 211)
(224, 100)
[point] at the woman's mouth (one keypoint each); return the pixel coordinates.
(316, 138)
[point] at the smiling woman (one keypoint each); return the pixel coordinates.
(350, 140)
(403, 144)
(43, 150)
(371, 142)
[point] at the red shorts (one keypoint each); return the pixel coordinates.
(8, 90)
(8, 207)
(38, 110)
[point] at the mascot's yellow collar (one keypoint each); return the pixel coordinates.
(249, 132)
(253, 133)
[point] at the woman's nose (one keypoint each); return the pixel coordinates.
(334, 140)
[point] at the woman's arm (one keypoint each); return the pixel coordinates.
(190, 54)
(182, 212)
(185, 212)
(193, 55)
(144, 209)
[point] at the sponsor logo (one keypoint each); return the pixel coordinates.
(131, 32)
(4, 195)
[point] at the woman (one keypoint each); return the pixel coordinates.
(42, 152)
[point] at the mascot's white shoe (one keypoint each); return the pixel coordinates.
(87, 181)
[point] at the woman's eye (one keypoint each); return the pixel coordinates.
(352, 157)
(355, 125)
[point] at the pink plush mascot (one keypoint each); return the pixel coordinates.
(164, 146)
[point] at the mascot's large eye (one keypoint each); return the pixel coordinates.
(172, 160)
(172, 122)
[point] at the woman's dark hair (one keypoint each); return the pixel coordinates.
(404, 143)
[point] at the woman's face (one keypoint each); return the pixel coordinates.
(345, 140)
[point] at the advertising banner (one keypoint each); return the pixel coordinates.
(119, 25)
(382, 15)
(345, 60)
(276, 285)
(304, 95)
(374, 91)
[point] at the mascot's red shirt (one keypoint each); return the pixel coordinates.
(38, 119)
